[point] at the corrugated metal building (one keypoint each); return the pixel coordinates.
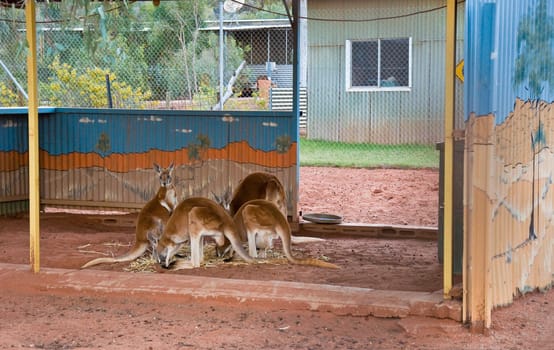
(509, 236)
(401, 101)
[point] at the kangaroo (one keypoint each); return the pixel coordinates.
(260, 221)
(151, 219)
(193, 219)
(259, 185)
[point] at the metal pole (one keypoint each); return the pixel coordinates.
(303, 37)
(268, 48)
(296, 90)
(19, 87)
(109, 89)
(34, 181)
(221, 56)
(449, 113)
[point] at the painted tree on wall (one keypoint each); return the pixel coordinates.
(534, 66)
(535, 62)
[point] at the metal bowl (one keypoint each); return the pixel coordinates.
(321, 218)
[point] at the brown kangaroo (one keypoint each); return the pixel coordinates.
(192, 220)
(260, 221)
(151, 219)
(259, 185)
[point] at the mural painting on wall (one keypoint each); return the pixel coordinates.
(516, 147)
(109, 158)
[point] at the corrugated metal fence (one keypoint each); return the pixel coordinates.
(509, 160)
(102, 158)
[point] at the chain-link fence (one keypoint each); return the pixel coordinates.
(136, 55)
(376, 76)
(370, 74)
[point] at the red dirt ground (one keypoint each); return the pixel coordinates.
(377, 196)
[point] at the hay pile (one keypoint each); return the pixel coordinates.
(147, 263)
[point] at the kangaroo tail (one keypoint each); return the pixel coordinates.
(243, 254)
(136, 251)
(313, 262)
(303, 239)
(286, 239)
(237, 246)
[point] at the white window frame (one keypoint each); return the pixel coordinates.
(348, 67)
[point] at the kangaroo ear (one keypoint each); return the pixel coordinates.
(216, 198)
(157, 168)
(171, 167)
(153, 239)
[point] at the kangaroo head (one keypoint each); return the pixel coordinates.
(165, 174)
(161, 255)
(224, 199)
(164, 249)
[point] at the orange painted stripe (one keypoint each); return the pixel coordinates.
(117, 162)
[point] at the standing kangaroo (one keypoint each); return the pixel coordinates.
(151, 219)
(192, 220)
(260, 221)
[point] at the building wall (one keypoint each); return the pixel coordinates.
(509, 159)
(415, 116)
(95, 158)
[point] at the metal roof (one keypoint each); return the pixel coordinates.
(248, 24)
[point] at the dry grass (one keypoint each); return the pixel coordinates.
(147, 263)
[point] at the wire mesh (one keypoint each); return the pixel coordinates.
(376, 80)
(374, 74)
(136, 55)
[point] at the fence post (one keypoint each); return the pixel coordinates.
(109, 89)
(449, 113)
(34, 173)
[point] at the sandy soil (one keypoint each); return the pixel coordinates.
(381, 196)
(372, 196)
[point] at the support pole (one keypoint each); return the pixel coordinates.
(34, 190)
(449, 113)
(296, 91)
(221, 56)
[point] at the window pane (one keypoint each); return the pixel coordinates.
(364, 63)
(395, 62)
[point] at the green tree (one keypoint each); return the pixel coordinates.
(172, 46)
(159, 49)
(184, 62)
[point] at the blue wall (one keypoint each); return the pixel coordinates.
(491, 51)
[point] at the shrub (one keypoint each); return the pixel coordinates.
(70, 88)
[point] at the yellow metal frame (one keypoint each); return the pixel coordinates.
(449, 113)
(34, 191)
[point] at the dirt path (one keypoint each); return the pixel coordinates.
(386, 196)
